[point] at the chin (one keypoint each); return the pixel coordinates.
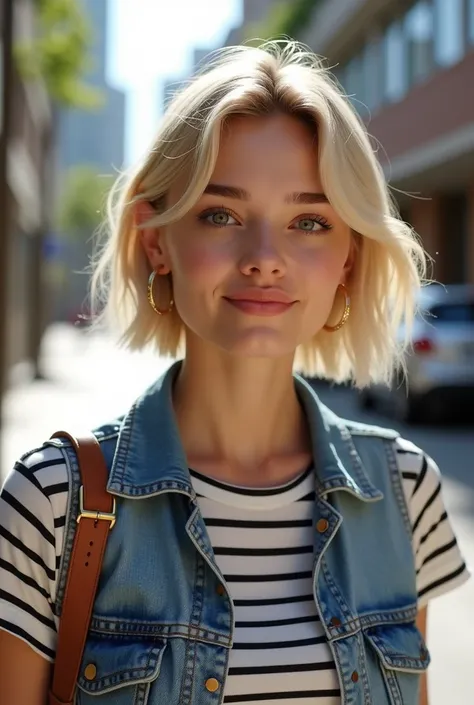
(255, 344)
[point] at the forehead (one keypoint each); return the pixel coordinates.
(275, 147)
(276, 152)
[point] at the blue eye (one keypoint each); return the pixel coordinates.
(220, 218)
(311, 224)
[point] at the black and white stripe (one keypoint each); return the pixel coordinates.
(262, 542)
(32, 517)
(439, 565)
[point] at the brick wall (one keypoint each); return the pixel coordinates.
(436, 108)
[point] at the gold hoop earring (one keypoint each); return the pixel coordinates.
(151, 298)
(345, 313)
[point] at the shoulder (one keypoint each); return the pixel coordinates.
(413, 462)
(420, 473)
(107, 435)
(43, 472)
(109, 431)
(34, 495)
(42, 469)
(357, 428)
(440, 565)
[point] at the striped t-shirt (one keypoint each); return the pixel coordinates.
(262, 540)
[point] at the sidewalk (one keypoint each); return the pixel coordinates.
(82, 387)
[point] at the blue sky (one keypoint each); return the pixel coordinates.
(154, 39)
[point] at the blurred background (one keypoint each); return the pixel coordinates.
(83, 84)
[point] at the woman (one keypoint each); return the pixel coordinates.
(265, 550)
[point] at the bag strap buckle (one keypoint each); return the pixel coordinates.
(95, 514)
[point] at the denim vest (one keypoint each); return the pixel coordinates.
(163, 620)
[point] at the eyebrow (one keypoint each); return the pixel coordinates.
(241, 194)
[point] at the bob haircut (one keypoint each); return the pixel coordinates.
(389, 261)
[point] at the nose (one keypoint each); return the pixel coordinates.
(262, 255)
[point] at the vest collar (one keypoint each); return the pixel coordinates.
(150, 459)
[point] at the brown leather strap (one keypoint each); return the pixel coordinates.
(84, 568)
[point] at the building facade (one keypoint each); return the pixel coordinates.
(253, 12)
(172, 85)
(26, 175)
(95, 139)
(408, 67)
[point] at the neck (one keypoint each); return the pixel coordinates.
(240, 419)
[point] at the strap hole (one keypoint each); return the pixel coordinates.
(89, 553)
(87, 563)
(91, 543)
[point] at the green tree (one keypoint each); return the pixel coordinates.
(287, 18)
(82, 206)
(58, 53)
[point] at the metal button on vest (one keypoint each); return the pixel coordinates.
(322, 525)
(212, 685)
(90, 672)
(220, 590)
(335, 622)
(354, 677)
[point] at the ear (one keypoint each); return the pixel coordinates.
(151, 238)
(350, 261)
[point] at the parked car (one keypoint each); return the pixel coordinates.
(440, 364)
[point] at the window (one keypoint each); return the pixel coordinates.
(373, 74)
(454, 313)
(339, 73)
(470, 21)
(431, 33)
(449, 31)
(395, 62)
(418, 26)
(354, 81)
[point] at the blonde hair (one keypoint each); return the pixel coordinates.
(389, 261)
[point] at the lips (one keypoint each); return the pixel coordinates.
(262, 296)
(261, 302)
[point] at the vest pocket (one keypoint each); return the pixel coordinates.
(402, 656)
(119, 670)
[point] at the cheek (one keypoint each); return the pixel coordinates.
(197, 262)
(322, 270)
(324, 264)
(190, 262)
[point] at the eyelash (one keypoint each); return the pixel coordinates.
(212, 211)
(223, 209)
(317, 219)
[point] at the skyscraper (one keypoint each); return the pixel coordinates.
(95, 138)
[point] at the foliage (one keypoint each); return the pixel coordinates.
(58, 53)
(286, 18)
(82, 204)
